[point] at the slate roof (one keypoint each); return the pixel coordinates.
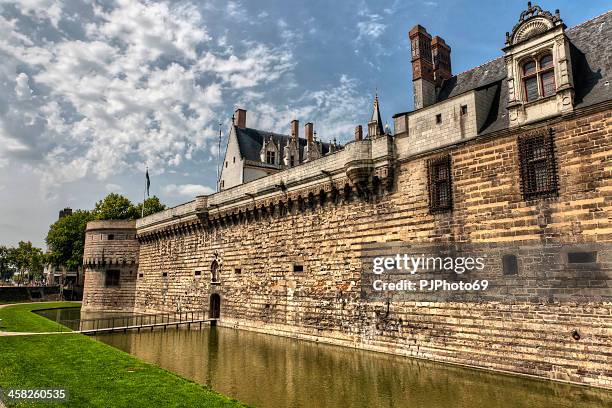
(251, 140)
(591, 52)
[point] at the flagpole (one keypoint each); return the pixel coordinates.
(144, 194)
(219, 159)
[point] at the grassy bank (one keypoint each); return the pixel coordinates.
(93, 373)
(19, 317)
(96, 375)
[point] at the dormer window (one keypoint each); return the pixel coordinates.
(270, 157)
(538, 78)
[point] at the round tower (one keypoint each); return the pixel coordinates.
(110, 262)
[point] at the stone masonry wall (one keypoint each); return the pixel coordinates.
(261, 289)
(110, 246)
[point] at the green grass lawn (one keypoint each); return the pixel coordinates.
(93, 373)
(96, 375)
(19, 317)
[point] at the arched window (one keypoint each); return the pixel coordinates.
(539, 78)
(214, 272)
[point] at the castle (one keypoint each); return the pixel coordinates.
(511, 159)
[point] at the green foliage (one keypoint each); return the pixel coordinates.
(115, 207)
(66, 240)
(7, 263)
(152, 205)
(26, 259)
(66, 237)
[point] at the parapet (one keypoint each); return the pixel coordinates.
(356, 165)
(110, 242)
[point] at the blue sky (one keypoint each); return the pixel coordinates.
(91, 92)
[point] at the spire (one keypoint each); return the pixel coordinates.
(375, 126)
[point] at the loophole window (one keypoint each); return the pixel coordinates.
(510, 265)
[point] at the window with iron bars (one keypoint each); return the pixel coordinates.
(440, 185)
(538, 166)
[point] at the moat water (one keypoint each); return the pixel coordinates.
(270, 371)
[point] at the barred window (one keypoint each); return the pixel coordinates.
(538, 167)
(440, 188)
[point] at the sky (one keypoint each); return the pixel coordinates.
(92, 92)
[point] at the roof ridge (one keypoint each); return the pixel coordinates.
(478, 66)
(264, 132)
(589, 20)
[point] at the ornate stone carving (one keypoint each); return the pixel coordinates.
(532, 21)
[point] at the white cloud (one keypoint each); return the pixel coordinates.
(259, 65)
(113, 188)
(236, 11)
(42, 9)
(142, 85)
(187, 190)
(371, 28)
(22, 87)
(335, 111)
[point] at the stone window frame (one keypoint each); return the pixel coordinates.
(438, 183)
(112, 278)
(270, 157)
(538, 73)
(537, 153)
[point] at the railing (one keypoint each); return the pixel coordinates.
(124, 323)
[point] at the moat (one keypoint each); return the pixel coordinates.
(270, 371)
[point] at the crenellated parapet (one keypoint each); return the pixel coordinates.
(110, 242)
(362, 170)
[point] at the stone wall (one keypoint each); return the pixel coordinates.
(297, 270)
(111, 247)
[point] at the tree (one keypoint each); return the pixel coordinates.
(7, 264)
(28, 260)
(66, 240)
(152, 205)
(115, 207)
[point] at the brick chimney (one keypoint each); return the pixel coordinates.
(295, 129)
(240, 118)
(358, 133)
(308, 130)
(440, 53)
(423, 83)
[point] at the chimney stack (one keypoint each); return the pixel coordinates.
(440, 52)
(240, 118)
(308, 129)
(295, 129)
(358, 133)
(423, 83)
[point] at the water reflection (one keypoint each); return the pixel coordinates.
(271, 371)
